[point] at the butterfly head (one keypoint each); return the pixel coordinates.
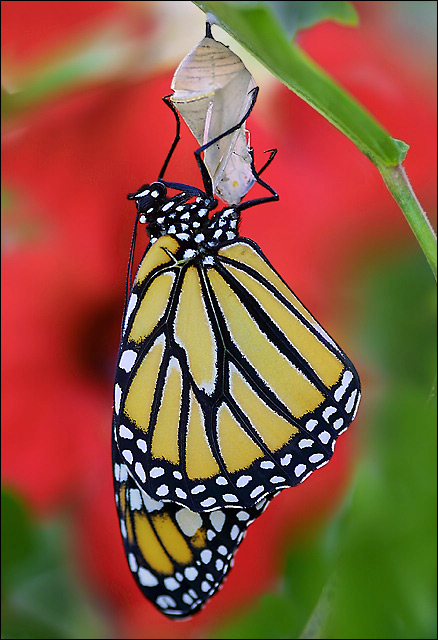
(149, 199)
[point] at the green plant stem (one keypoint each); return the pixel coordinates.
(314, 627)
(401, 190)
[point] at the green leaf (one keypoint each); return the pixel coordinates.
(260, 31)
(295, 16)
(403, 148)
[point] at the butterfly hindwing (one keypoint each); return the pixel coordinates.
(178, 558)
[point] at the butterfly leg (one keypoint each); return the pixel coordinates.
(256, 201)
(169, 103)
(272, 154)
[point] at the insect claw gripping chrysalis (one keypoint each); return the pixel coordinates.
(227, 390)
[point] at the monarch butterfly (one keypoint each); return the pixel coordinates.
(227, 390)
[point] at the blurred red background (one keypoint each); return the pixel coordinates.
(68, 163)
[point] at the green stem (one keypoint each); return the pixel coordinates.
(317, 620)
(401, 190)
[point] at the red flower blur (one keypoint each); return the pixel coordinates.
(69, 165)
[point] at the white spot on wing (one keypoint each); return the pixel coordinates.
(357, 407)
(242, 481)
(146, 578)
(156, 472)
(206, 556)
(305, 442)
(135, 499)
(217, 519)
(208, 502)
(124, 432)
(191, 573)
(131, 306)
(127, 455)
(328, 411)
(350, 403)
(165, 602)
(346, 379)
(171, 584)
(150, 504)
(132, 563)
(117, 398)
(277, 479)
(140, 471)
(257, 491)
(189, 521)
(163, 490)
(199, 488)
(127, 360)
(234, 532)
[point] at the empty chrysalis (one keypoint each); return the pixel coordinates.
(212, 91)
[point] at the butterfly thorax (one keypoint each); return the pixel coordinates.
(186, 217)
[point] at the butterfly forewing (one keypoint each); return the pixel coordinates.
(227, 388)
(177, 557)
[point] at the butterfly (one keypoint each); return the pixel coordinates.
(227, 390)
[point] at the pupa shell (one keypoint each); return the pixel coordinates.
(212, 91)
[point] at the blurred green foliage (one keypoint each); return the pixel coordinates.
(296, 15)
(41, 597)
(371, 573)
